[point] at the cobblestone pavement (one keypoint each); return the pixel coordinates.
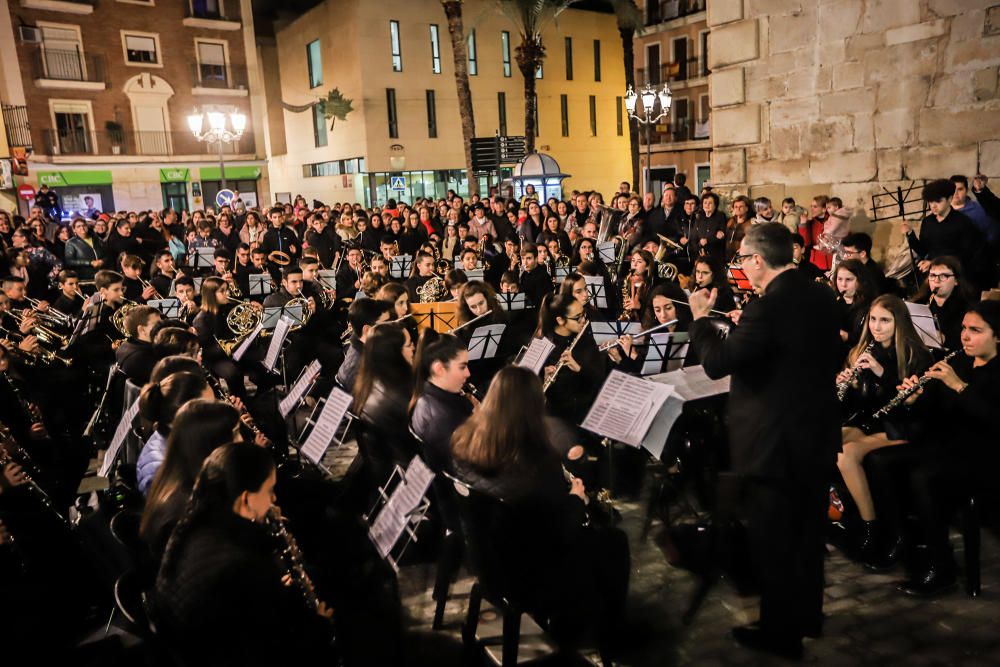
(868, 621)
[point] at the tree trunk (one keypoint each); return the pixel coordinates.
(628, 38)
(529, 56)
(453, 11)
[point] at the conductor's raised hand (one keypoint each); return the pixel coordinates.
(702, 302)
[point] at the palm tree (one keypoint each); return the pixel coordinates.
(629, 25)
(530, 17)
(453, 10)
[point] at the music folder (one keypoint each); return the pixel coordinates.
(687, 384)
(535, 356)
(485, 340)
(626, 407)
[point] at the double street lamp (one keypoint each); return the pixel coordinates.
(211, 127)
(648, 117)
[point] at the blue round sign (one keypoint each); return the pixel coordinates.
(224, 198)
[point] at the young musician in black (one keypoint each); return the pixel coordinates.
(786, 344)
(948, 293)
(572, 392)
(210, 324)
(135, 290)
(384, 383)
(709, 275)
(421, 273)
(94, 345)
(163, 272)
(478, 300)
(302, 344)
(135, 356)
(280, 239)
(185, 293)
(855, 292)
(69, 300)
(802, 262)
(535, 280)
(362, 316)
(349, 275)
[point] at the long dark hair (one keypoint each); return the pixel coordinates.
(226, 474)
(209, 289)
(159, 402)
(673, 291)
(200, 426)
(382, 361)
(508, 428)
(473, 288)
(553, 307)
(866, 290)
(433, 346)
(718, 273)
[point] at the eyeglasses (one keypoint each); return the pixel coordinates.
(576, 318)
(940, 276)
(738, 259)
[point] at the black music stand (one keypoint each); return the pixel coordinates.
(327, 278)
(380, 528)
(485, 341)
(171, 307)
(260, 284)
(339, 437)
(201, 258)
(659, 349)
(605, 332)
(513, 301)
(598, 296)
(606, 252)
(400, 266)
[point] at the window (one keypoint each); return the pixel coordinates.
(211, 62)
(315, 60)
(435, 50)
(652, 64)
(569, 58)
(432, 122)
(505, 52)
(141, 48)
(62, 53)
(209, 9)
(539, 72)
(593, 115)
(390, 103)
(319, 126)
(473, 62)
(397, 54)
(564, 110)
(618, 116)
(73, 123)
(597, 60)
(502, 113)
(333, 168)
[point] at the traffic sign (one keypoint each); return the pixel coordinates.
(397, 183)
(26, 192)
(224, 198)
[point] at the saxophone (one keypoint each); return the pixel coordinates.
(904, 394)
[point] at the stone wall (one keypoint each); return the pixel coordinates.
(847, 96)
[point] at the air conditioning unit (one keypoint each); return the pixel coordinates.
(29, 34)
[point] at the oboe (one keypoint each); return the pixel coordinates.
(904, 394)
(843, 387)
(552, 378)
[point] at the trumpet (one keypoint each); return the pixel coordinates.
(44, 334)
(41, 356)
(552, 378)
(146, 285)
(51, 315)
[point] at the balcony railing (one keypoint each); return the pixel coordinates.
(67, 65)
(658, 11)
(138, 143)
(680, 129)
(223, 77)
(683, 70)
(15, 120)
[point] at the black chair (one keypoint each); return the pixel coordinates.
(124, 528)
(970, 539)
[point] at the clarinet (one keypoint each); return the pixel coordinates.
(291, 557)
(552, 378)
(224, 395)
(843, 387)
(904, 394)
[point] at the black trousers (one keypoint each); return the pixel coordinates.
(786, 537)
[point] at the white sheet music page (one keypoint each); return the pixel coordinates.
(289, 402)
(925, 324)
(405, 498)
(625, 408)
(692, 383)
(116, 442)
(536, 354)
(325, 428)
(245, 345)
(277, 340)
(484, 341)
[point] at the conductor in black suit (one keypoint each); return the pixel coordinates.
(785, 344)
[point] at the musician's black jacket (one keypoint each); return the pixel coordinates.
(281, 238)
(956, 235)
(414, 283)
(162, 283)
(133, 290)
(536, 284)
(210, 326)
(224, 602)
(949, 318)
(571, 394)
(435, 417)
(136, 358)
(326, 243)
(69, 305)
(787, 345)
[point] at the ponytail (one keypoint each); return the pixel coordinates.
(159, 402)
(433, 346)
(553, 306)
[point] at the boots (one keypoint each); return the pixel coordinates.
(935, 573)
(876, 551)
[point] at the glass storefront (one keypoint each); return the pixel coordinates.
(417, 184)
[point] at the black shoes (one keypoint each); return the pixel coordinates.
(935, 580)
(876, 552)
(754, 638)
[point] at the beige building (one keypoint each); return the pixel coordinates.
(672, 49)
(852, 97)
(393, 59)
(97, 94)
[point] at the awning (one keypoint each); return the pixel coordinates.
(77, 177)
(232, 173)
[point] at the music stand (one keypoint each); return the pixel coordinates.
(87, 323)
(606, 252)
(397, 514)
(561, 272)
(442, 316)
(925, 323)
(274, 313)
(327, 278)
(659, 349)
(474, 274)
(201, 258)
(329, 410)
(171, 308)
(400, 266)
(738, 279)
(595, 285)
(605, 332)
(260, 284)
(513, 300)
(485, 341)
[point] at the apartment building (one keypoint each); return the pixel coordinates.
(393, 59)
(97, 94)
(673, 49)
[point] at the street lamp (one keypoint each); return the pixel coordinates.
(210, 127)
(648, 117)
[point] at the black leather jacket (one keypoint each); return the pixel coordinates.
(435, 417)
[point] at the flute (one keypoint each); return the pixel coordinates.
(552, 378)
(474, 319)
(611, 344)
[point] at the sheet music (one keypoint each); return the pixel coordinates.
(474, 274)
(169, 307)
(595, 285)
(124, 426)
(245, 345)
(485, 340)
(606, 252)
(692, 383)
(925, 324)
(625, 408)
(536, 354)
(658, 344)
(515, 301)
(405, 498)
(325, 429)
(277, 340)
(289, 402)
(399, 266)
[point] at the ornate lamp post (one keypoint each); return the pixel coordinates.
(211, 127)
(648, 117)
